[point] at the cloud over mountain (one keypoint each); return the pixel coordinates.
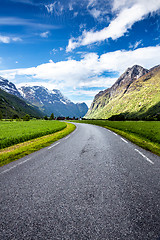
(89, 68)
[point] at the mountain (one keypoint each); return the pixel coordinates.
(13, 106)
(9, 87)
(52, 102)
(47, 101)
(136, 95)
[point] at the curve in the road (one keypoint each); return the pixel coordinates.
(93, 184)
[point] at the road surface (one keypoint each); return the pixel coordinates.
(92, 184)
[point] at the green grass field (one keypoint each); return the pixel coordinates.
(20, 150)
(15, 132)
(144, 133)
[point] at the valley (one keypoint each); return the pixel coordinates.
(80, 119)
(134, 96)
(88, 185)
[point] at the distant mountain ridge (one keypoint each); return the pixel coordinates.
(135, 92)
(52, 101)
(39, 95)
(47, 101)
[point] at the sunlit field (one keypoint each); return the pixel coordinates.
(20, 131)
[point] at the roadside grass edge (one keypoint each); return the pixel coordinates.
(20, 150)
(138, 140)
(144, 143)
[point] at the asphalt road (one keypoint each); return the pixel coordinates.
(93, 184)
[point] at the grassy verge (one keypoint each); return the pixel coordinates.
(15, 152)
(144, 134)
(140, 141)
(15, 132)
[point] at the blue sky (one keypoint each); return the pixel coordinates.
(77, 46)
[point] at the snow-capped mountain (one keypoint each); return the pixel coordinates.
(9, 87)
(46, 100)
(12, 105)
(39, 95)
(52, 101)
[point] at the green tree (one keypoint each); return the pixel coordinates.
(158, 116)
(45, 118)
(51, 117)
(26, 117)
(15, 116)
(1, 115)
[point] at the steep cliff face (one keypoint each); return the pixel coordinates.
(134, 83)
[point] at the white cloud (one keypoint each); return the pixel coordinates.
(91, 3)
(6, 39)
(87, 72)
(16, 39)
(134, 46)
(29, 2)
(14, 21)
(55, 7)
(50, 7)
(70, 7)
(75, 14)
(118, 5)
(44, 34)
(95, 13)
(54, 51)
(129, 12)
(120, 60)
(82, 26)
(98, 82)
(91, 93)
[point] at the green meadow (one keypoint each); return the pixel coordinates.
(16, 151)
(15, 132)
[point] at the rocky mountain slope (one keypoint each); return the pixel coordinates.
(52, 101)
(136, 94)
(47, 101)
(12, 106)
(9, 87)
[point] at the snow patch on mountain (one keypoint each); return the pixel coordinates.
(52, 101)
(9, 87)
(48, 101)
